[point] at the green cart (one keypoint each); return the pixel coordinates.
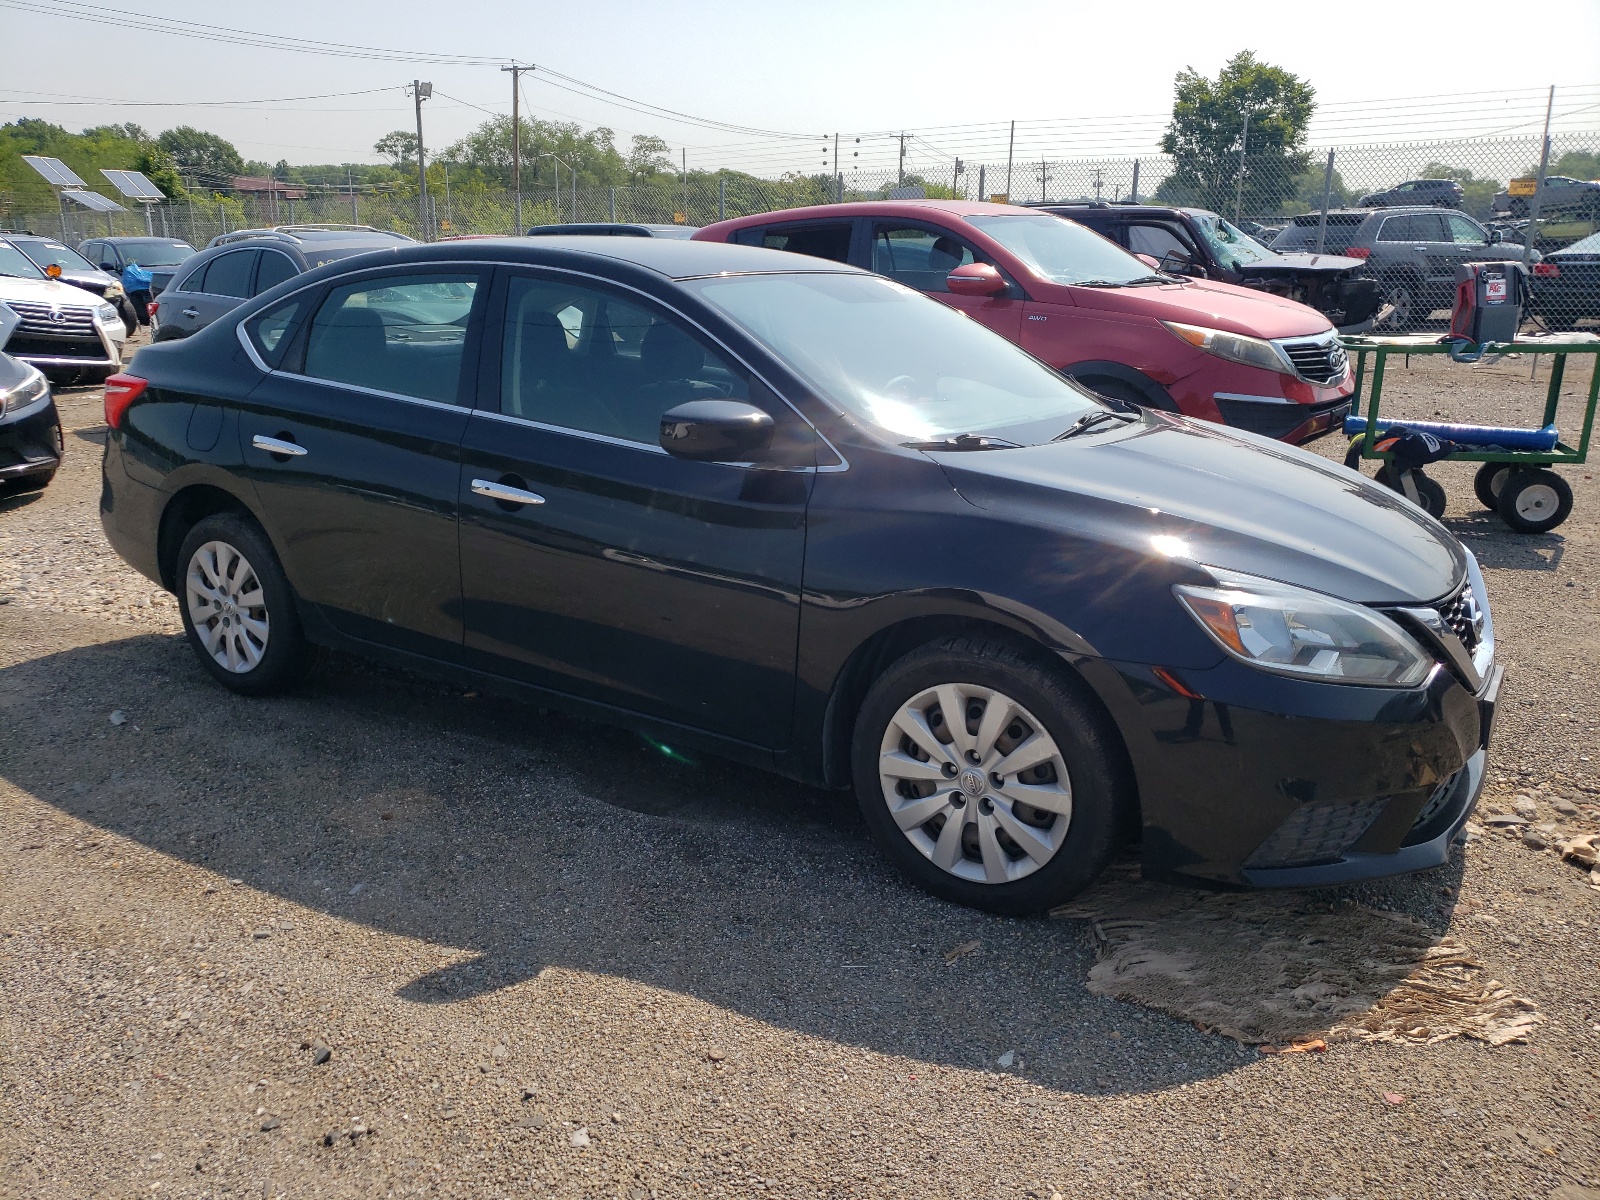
(1516, 479)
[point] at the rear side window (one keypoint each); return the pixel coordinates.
(274, 269)
(403, 334)
(195, 281)
(229, 274)
(819, 241)
(1415, 227)
(272, 331)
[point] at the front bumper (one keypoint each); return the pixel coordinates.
(1281, 419)
(30, 442)
(1257, 780)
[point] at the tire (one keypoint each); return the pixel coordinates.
(1488, 482)
(1067, 843)
(1119, 390)
(1518, 207)
(250, 639)
(1406, 296)
(1430, 493)
(1535, 501)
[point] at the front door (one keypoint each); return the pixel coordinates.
(922, 256)
(353, 448)
(596, 564)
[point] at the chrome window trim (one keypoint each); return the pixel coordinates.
(478, 264)
(563, 429)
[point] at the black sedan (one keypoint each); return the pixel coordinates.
(804, 517)
(1566, 284)
(30, 428)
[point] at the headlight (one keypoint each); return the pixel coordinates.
(1298, 632)
(30, 391)
(106, 313)
(1235, 347)
(113, 289)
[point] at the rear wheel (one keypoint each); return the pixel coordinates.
(985, 777)
(238, 609)
(1535, 501)
(1488, 482)
(1430, 493)
(1409, 311)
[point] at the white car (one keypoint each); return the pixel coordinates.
(68, 333)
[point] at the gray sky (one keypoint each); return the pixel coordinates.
(1083, 79)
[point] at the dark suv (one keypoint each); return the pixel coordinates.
(1412, 252)
(160, 256)
(1192, 241)
(1444, 193)
(247, 262)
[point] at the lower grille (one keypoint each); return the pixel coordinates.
(1279, 420)
(1318, 362)
(22, 345)
(1317, 833)
(1460, 614)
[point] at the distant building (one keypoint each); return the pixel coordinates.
(261, 184)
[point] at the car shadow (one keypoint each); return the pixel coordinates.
(1499, 547)
(524, 840)
(18, 500)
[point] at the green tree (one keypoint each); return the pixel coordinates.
(211, 159)
(399, 147)
(1208, 126)
(648, 157)
(592, 153)
(1578, 164)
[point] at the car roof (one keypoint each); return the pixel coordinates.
(875, 208)
(138, 241)
(673, 258)
(580, 227)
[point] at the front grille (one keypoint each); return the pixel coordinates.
(1318, 362)
(1280, 420)
(53, 318)
(1316, 833)
(1460, 614)
(21, 345)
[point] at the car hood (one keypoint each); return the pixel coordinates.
(1231, 500)
(1315, 264)
(45, 291)
(1201, 302)
(89, 279)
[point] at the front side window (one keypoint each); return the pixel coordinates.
(583, 359)
(920, 258)
(1465, 232)
(404, 334)
(229, 274)
(1063, 251)
(1158, 241)
(907, 364)
(1416, 227)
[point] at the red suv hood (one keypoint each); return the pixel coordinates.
(1196, 302)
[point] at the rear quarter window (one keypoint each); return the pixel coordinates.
(273, 331)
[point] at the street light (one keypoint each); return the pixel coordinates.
(570, 171)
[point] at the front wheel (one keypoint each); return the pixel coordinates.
(1488, 483)
(238, 609)
(1430, 493)
(986, 778)
(1535, 501)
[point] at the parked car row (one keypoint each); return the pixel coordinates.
(808, 515)
(70, 333)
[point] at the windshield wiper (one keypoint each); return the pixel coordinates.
(1089, 420)
(964, 441)
(1142, 279)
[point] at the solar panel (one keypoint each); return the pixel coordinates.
(55, 172)
(92, 200)
(133, 185)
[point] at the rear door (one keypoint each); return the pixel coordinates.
(922, 255)
(833, 240)
(221, 286)
(1404, 242)
(611, 570)
(353, 447)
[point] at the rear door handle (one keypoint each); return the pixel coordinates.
(505, 493)
(274, 445)
(191, 313)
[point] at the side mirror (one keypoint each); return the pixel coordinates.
(1176, 262)
(111, 267)
(1496, 237)
(716, 431)
(975, 279)
(1149, 260)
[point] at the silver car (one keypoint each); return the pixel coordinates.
(1562, 194)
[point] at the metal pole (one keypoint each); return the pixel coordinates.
(149, 222)
(1010, 149)
(350, 182)
(449, 218)
(1538, 192)
(836, 175)
(685, 178)
(1238, 195)
(983, 181)
(1134, 194)
(516, 142)
(900, 181)
(722, 199)
(1327, 193)
(838, 187)
(61, 207)
(422, 159)
(613, 204)
(573, 171)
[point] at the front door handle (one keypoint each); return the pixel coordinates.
(274, 445)
(191, 313)
(504, 493)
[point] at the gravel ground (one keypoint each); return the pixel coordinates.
(384, 937)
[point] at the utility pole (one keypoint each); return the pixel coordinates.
(1043, 181)
(350, 179)
(1010, 152)
(1244, 141)
(1532, 234)
(685, 178)
(837, 176)
(421, 91)
(902, 177)
(516, 140)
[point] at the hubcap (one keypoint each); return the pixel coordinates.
(1536, 501)
(975, 783)
(227, 606)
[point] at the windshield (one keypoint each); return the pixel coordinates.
(1231, 246)
(54, 253)
(888, 354)
(15, 262)
(156, 254)
(1062, 251)
(1588, 245)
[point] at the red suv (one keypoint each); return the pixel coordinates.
(1089, 308)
